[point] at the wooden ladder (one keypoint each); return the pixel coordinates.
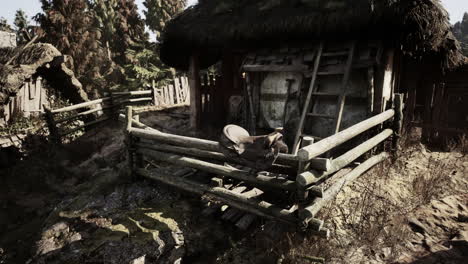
(314, 93)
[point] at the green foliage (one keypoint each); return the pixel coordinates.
(4, 26)
(160, 11)
(70, 26)
(145, 68)
(461, 32)
(21, 24)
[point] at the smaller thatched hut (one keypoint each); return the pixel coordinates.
(30, 76)
(399, 46)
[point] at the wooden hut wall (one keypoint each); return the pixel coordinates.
(28, 100)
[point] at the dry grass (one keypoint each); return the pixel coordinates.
(429, 184)
(368, 220)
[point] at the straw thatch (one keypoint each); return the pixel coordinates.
(418, 27)
(41, 59)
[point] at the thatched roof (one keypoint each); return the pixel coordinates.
(418, 27)
(33, 60)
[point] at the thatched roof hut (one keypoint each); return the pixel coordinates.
(37, 59)
(419, 28)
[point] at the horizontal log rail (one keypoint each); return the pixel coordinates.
(79, 106)
(309, 152)
(236, 200)
(260, 180)
(73, 130)
(202, 144)
(145, 143)
(312, 210)
(311, 177)
(169, 96)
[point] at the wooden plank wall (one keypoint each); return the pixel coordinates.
(28, 100)
(175, 93)
(209, 82)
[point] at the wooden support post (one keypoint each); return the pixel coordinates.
(252, 119)
(302, 193)
(129, 141)
(195, 93)
(311, 211)
(53, 130)
(398, 120)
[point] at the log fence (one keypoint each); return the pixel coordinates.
(302, 177)
(62, 122)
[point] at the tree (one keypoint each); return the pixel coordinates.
(160, 11)
(22, 26)
(4, 26)
(145, 68)
(70, 26)
(106, 19)
(460, 30)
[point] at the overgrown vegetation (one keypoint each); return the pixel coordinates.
(108, 41)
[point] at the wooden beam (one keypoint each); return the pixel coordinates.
(324, 145)
(261, 208)
(311, 177)
(259, 180)
(311, 211)
(195, 93)
(78, 106)
(202, 144)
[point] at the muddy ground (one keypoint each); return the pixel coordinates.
(77, 204)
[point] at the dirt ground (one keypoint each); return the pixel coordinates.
(76, 204)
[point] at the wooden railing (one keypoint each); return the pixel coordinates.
(303, 175)
(62, 121)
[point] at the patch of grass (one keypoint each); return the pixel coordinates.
(429, 184)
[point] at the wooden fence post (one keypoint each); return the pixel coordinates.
(53, 130)
(398, 120)
(195, 93)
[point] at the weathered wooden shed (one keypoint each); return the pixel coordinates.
(314, 67)
(30, 76)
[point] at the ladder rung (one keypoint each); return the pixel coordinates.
(349, 96)
(314, 137)
(339, 72)
(335, 54)
(320, 115)
(324, 94)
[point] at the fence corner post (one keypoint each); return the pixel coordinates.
(129, 142)
(398, 121)
(53, 130)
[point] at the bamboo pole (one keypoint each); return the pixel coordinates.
(311, 211)
(78, 106)
(311, 177)
(324, 145)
